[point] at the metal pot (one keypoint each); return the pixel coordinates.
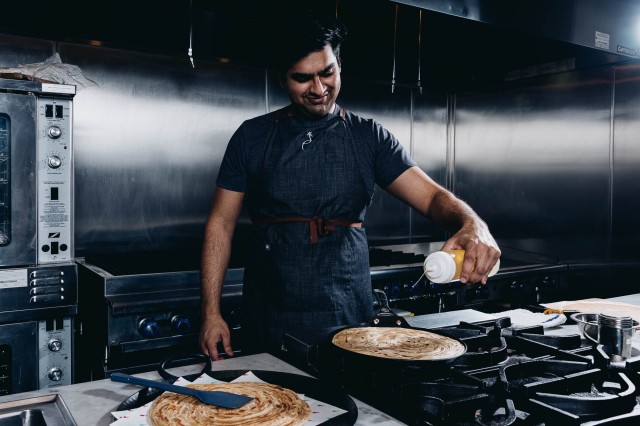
(612, 330)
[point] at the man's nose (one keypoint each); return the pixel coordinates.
(317, 88)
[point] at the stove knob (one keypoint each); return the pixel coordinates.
(547, 283)
(393, 291)
(517, 285)
(54, 345)
(148, 328)
(54, 162)
(54, 132)
(180, 323)
(55, 374)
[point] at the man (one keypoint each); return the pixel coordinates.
(308, 173)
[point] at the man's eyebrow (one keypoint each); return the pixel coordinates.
(301, 75)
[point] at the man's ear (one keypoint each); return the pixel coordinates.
(282, 80)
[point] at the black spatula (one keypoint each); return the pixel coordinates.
(218, 398)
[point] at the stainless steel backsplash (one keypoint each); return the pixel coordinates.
(551, 163)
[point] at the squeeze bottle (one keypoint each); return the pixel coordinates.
(446, 265)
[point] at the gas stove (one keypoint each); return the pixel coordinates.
(508, 376)
(137, 308)
(525, 278)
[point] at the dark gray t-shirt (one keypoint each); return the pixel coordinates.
(380, 156)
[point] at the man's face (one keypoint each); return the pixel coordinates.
(313, 83)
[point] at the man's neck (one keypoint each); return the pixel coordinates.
(300, 113)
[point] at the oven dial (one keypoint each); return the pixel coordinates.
(54, 162)
(180, 323)
(55, 374)
(54, 132)
(148, 327)
(54, 345)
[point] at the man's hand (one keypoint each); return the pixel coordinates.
(419, 191)
(481, 251)
(215, 330)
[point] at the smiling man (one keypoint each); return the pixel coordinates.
(313, 84)
(307, 173)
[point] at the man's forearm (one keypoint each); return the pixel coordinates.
(216, 252)
(452, 213)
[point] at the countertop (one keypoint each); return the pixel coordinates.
(91, 403)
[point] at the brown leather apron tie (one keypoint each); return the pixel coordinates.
(318, 226)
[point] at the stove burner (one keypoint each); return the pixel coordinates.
(518, 379)
(508, 376)
(591, 399)
(483, 351)
(444, 403)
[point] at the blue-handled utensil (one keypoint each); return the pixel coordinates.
(218, 398)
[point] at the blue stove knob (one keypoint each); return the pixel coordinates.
(148, 328)
(180, 323)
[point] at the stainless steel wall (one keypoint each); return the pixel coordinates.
(626, 158)
(533, 159)
(550, 163)
(149, 141)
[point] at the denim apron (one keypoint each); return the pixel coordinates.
(310, 183)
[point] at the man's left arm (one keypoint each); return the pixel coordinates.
(472, 234)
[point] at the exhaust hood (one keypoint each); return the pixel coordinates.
(443, 45)
(610, 26)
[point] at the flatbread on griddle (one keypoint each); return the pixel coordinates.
(273, 405)
(398, 343)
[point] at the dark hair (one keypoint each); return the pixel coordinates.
(302, 33)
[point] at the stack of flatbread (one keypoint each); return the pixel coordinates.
(398, 343)
(272, 405)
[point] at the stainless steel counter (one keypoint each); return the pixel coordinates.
(91, 403)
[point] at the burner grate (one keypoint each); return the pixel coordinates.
(508, 376)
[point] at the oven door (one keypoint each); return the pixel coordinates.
(18, 357)
(18, 221)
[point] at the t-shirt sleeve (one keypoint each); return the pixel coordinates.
(391, 158)
(233, 173)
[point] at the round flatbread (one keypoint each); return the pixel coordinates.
(398, 343)
(273, 405)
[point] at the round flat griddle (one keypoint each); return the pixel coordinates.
(397, 345)
(309, 386)
(389, 341)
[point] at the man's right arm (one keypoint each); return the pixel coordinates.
(216, 251)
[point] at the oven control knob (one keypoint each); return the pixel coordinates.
(54, 161)
(180, 323)
(518, 286)
(547, 283)
(148, 328)
(54, 345)
(55, 374)
(54, 132)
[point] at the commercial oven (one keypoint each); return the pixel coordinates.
(38, 275)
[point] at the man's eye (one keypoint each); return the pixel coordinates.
(300, 78)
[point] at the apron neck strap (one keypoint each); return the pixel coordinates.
(288, 112)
